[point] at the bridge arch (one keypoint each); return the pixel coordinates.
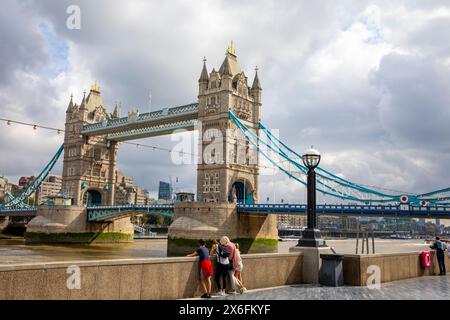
(241, 191)
(93, 197)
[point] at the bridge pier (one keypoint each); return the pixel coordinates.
(69, 224)
(209, 221)
(3, 223)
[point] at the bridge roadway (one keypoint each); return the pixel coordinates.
(111, 213)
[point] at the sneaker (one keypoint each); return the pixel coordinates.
(209, 296)
(205, 296)
(232, 292)
(242, 290)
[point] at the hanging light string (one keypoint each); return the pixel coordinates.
(34, 126)
(137, 145)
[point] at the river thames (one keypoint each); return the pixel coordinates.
(16, 251)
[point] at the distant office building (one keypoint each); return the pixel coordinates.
(291, 221)
(128, 193)
(5, 187)
(50, 187)
(25, 181)
(165, 191)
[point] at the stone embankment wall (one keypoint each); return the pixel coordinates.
(393, 267)
(154, 278)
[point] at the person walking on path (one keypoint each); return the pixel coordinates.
(238, 273)
(206, 270)
(221, 254)
(440, 247)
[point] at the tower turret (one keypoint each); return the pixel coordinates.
(204, 79)
(83, 102)
(256, 88)
(70, 107)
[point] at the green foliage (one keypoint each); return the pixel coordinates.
(85, 237)
(182, 246)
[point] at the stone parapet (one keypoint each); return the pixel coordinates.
(136, 279)
(393, 267)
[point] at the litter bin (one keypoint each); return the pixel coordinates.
(330, 273)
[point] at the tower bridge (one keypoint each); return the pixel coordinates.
(227, 115)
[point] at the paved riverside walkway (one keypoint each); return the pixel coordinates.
(423, 288)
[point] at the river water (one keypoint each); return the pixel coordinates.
(16, 251)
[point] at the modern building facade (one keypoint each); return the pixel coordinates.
(164, 191)
(49, 187)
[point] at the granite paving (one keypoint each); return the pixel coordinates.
(423, 288)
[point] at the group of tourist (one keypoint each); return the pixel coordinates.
(228, 267)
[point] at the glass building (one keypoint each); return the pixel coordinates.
(164, 191)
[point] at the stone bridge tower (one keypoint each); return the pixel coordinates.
(228, 164)
(89, 163)
(227, 173)
(89, 177)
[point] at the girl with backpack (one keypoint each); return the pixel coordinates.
(222, 262)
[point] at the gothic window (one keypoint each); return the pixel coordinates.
(71, 171)
(96, 171)
(97, 154)
(72, 152)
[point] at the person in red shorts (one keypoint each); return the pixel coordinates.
(206, 270)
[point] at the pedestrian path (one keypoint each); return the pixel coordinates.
(423, 288)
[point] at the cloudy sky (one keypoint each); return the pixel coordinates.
(366, 82)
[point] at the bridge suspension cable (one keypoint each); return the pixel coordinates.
(137, 145)
(19, 201)
(329, 183)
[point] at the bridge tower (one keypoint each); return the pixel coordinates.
(88, 177)
(227, 172)
(89, 162)
(228, 164)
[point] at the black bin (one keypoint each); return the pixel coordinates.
(331, 274)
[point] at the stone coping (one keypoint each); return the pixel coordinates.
(380, 255)
(119, 262)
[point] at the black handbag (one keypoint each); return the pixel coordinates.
(231, 265)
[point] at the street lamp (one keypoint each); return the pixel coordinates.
(311, 235)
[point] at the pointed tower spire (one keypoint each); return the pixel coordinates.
(256, 85)
(83, 102)
(204, 75)
(230, 65)
(70, 107)
(116, 112)
(225, 69)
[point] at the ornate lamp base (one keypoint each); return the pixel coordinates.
(311, 238)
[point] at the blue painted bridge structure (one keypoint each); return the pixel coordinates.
(111, 213)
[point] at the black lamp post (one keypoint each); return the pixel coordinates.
(311, 235)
